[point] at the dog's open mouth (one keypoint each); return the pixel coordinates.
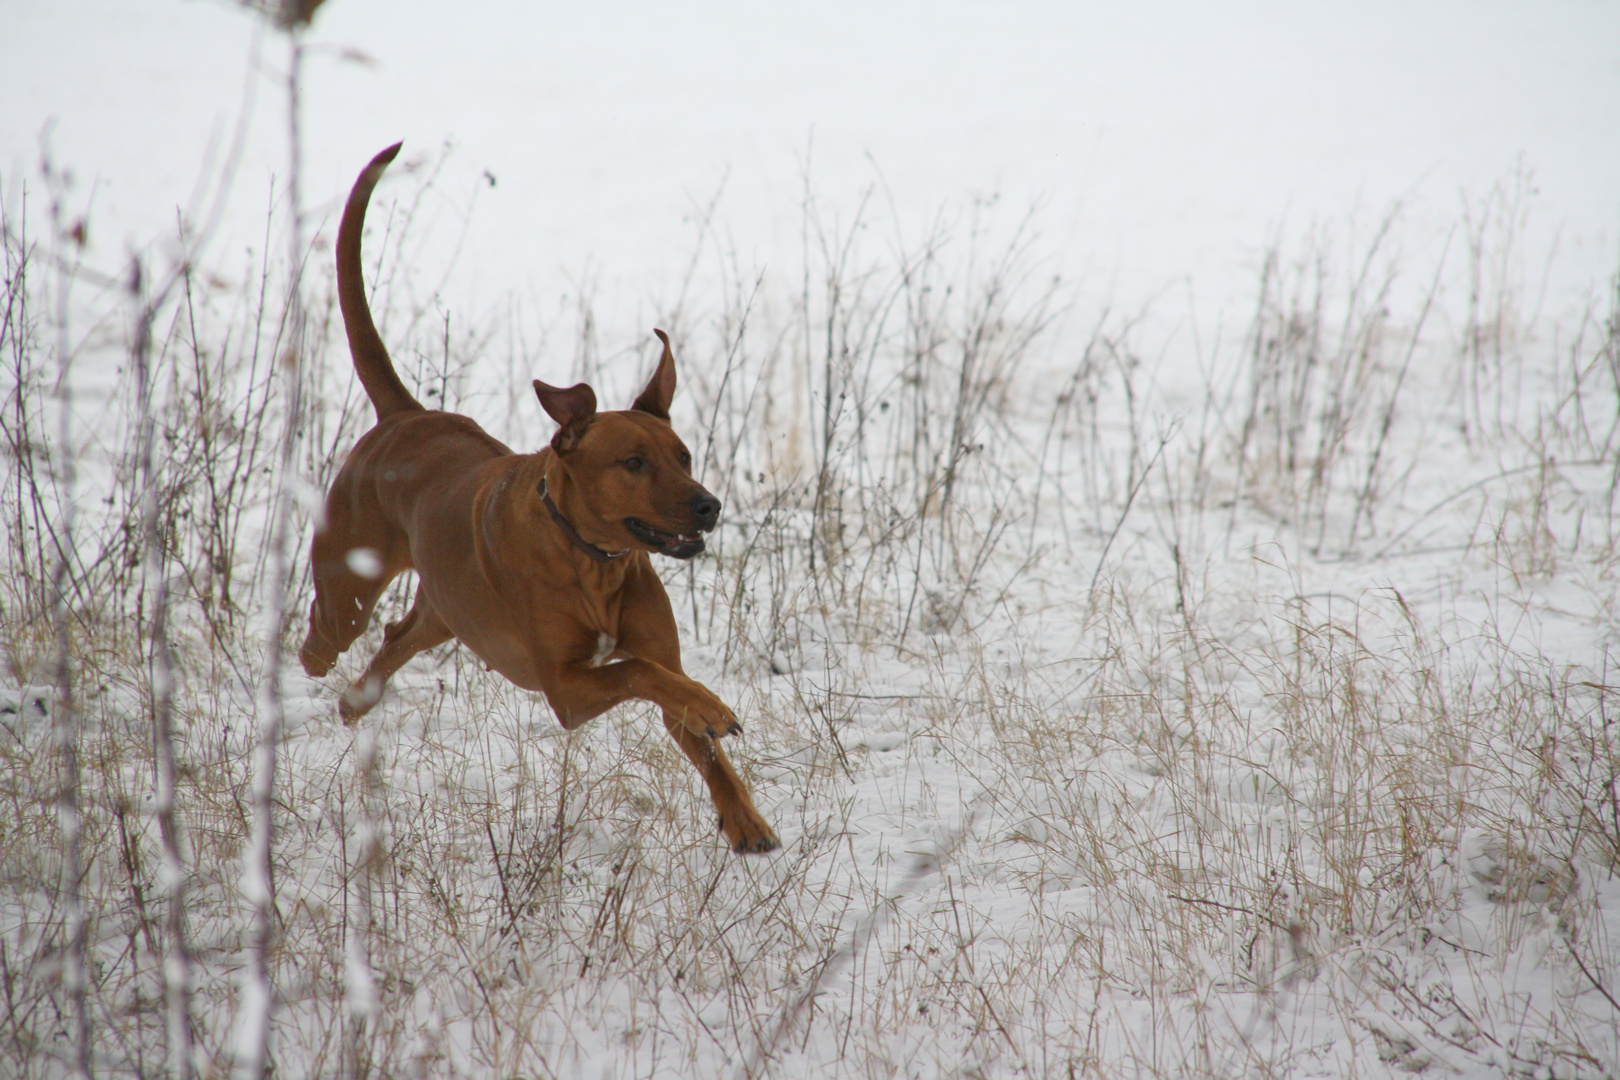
(675, 545)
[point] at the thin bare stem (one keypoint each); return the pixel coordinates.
(65, 717)
(257, 991)
(160, 669)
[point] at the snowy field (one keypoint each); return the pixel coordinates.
(1168, 576)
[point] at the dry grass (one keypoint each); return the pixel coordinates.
(1109, 735)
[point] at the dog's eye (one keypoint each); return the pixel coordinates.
(634, 464)
(686, 459)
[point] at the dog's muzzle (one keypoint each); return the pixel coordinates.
(683, 545)
(705, 511)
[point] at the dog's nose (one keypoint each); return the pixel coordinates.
(705, 510)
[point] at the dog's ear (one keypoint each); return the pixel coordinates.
(577, 402)
(661, 389)
(570, 407)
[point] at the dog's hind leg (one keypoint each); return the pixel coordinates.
(421, 628)
(340, 612)
(351, 571)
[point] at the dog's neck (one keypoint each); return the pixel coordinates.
(596, 553)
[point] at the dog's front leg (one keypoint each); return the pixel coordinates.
(695, 717)
(745, 829)
(652, 635)
(579, 692)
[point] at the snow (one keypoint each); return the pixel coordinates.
(1166, 142)
(1203, 769)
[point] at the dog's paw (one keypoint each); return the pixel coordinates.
(703, 713)
(315, 661)
(747, 832)
(358, 699)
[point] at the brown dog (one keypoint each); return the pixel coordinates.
(538, 563)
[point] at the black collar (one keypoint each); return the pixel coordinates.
(572, 533)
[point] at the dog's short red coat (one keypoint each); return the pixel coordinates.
(538, 563)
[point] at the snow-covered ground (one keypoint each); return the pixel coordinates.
(1169, 572)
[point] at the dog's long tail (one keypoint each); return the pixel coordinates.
(388, 395)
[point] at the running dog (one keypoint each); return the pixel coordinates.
(538, 563)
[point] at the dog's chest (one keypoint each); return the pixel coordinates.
(604, 649)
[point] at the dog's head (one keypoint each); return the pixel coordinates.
(630, 476)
